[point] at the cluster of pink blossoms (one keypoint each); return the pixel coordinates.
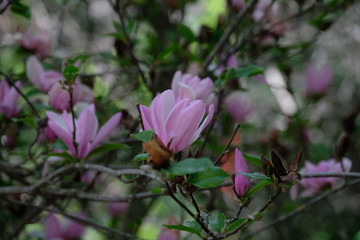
(177, 115)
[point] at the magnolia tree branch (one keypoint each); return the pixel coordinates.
(92, 224)
(21, 94)
(228, 31)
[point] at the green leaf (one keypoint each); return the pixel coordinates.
(141, 157)
(70, 73)
(253, 159)
(144, 136)
(65, 155)
(257, 187)
(186, 32)
(189, 166)
(27, 120)
(107, 148)
(248, 71)
(256, 175)
(21, 9)
(217, 222)
(208, 178)
(235, 225)
(157, 190)
(184, 228)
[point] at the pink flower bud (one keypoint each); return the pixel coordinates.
(87, 135)
(8, 99)
(315, 186)
(238, 107)
(117, 208)
(177, 124)
(66, 229)
(170, 234)
(238, 4)
(42, 79)
(317, 80)
(38, 41)
(192, 87)
(241, 182)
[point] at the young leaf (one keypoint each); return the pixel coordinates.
(21, 9)
(65, 155)
(141, 157)
(217, 222)
(107, 148)
(70, 73)
(256, 175)
(186, 32)
(184, 228)
(257, 187)
(253, 159)
(248, 71)
(208, 178)
(144, 136)
(190, 165)
(235, 225)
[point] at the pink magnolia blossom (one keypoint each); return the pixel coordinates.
(261, 9)
(192, 87)
(317, 80)
(46, 134)
(229, 60)
(170, 234)
(38, 41)
(241, 182)
(238, 107)
(66, 229)
(8, 99)
(42, 79)
(238, 4)
(314, 186)
(87, 137)
(177, 124)
(59, 98)
(117, 208)
(4, 3)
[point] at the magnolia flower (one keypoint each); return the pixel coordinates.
(87, 137)
(241, 182)
(38, 41)
(65, 229)
(8, 99)
(59, 98)
(117, 208)
(238, 107)
(261, 9)
(42, 79)
(238, 4)
(177, 124)
(228, 60)
(46, 134)
(4, 3)
(314, 186)
(192, 87)
(170, 234)
(317, 80)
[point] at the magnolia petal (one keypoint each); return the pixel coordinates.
(74, 229)
(86, 130)
(52, 227)
(159, 110)
(33, 71)
(105, 130)
(146, 117)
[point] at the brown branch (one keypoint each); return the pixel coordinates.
(231, 27)
(236, 128)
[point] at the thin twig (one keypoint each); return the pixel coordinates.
(21, 94)
(236, 128)
(231, 27)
